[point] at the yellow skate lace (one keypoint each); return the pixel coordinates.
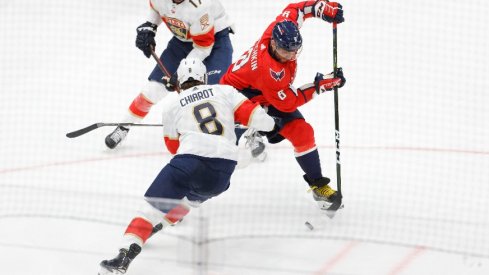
(324, 191)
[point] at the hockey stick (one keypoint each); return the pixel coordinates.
(160, 64)
(337, 205)
(94, 126)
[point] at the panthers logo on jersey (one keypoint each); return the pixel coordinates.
(177, 27)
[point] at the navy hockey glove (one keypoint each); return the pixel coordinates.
(327, 82)
(170, 82)
(328, 11)
(145, 40)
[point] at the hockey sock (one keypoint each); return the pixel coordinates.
(176, 214)
(140, 106)
(310, 164)
(139, 228)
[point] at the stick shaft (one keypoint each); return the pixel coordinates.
(94, 126)
(336, 110)
(160, 64)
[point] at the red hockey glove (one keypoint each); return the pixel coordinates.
(328, 11)
(327, 82)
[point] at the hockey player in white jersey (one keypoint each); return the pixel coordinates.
(200, 29)
(199, 129)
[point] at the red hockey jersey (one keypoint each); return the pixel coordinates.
(257, 69)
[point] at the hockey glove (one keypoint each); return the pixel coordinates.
(145, 40)
(328, 11)
(327, 82)
(170, 82)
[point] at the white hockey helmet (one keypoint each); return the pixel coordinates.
(191, 69)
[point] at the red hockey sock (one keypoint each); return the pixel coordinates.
(140, 228)
(176, 214)
(140, 106)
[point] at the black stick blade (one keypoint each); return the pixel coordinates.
(83, 131)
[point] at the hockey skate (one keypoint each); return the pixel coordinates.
(116, 137)
(119, 264)
(254, 142)
(326, 197)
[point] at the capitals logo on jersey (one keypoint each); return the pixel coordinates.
(277, 75)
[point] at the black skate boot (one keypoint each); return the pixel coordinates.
(157, 228)
(114, 138)
(119, 264)
(322, 192)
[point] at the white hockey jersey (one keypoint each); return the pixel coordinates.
(192, 20)
(201, 121)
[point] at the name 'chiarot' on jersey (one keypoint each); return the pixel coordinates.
(200, 95)
(204, 119)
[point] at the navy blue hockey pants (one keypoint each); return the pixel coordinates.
(216, 63)
(195, 177)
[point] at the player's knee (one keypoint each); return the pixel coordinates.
(300, 134)
(151, 211)
(191, 203)
(154, 91)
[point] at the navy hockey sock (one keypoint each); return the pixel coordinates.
(310, 164)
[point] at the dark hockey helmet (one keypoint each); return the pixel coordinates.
(287, 36)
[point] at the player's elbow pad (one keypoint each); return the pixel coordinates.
(262, 121)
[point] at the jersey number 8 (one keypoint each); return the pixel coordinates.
(205, 114)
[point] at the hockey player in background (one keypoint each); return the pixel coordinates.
(265, 74)
(200, 30)
(199, 129)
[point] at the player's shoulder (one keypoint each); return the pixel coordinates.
(171, 103)
(222, 89)
(197, 7)
(264, 60)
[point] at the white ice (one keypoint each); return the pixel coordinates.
(414, 146)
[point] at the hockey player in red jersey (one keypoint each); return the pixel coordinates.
(198, 128)
(265, 74)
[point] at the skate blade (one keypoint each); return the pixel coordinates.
(104, 271)
(332, 213)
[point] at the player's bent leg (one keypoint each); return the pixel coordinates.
(176, 215)
(120, 263)
(301, 135)
(151, 94)
(322, 192)
(137, 232)
(155, 211)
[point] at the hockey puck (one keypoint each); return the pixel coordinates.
(309, 225)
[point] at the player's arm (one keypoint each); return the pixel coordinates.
(289, 99)
(322, 83)
(285, 100)
(250, 114)
(170, 133)
(298, 12)
(153, 15)
(172, 144)
(202, 33)
(145, 39)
